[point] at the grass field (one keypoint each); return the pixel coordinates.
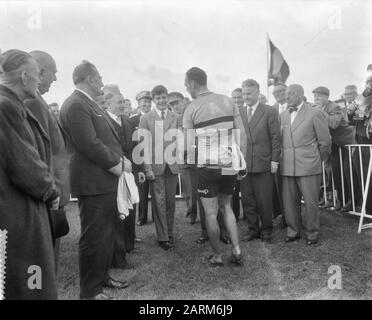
(270, 271)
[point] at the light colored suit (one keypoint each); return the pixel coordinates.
(163, 188)
(305, 144)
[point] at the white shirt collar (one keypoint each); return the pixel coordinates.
(282, 107)
(254, 107)
(300, 106)
(294, 113)
(87, 95)
(160, 111)
(114, 117)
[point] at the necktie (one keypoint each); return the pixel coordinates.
(162, 115)
(249, 114)
(291, 109)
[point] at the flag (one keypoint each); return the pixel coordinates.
(279, 69)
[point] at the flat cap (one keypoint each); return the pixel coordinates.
(321, 90)
(143, 94)
(174, 96)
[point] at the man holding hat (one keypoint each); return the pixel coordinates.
(144, 106)
(341, 134)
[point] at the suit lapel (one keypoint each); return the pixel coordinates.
(300, 117)
(244, 115)
(257, 116)
(99, 111)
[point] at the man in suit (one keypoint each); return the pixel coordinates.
(262, 128)
(27, 188)
(96, 164)
(144, 106)
(125, 236)
(306, 142)
(341, 134)
(60, 161)
(160, 169)
(280, 105)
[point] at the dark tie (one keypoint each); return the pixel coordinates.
(162, 115)
(291, 109)
(249, 114)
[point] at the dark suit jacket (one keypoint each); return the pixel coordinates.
(263, 138)
(60, 160)
(306, 142)
(96, 146)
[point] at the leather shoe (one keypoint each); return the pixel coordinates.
(100, 296)
(251, 237)
(141, 223)
(165, 245)
(138, 240)
(291, 239)
(311, 242)
(115, 284)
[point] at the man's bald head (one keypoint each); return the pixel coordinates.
(295, 95)
(48, 69)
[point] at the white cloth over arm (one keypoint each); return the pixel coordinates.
(127, 194)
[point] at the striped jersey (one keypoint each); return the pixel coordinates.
(212, 117)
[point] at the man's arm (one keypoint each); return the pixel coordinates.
(322, 134)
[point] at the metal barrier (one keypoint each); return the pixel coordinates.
(365, 178)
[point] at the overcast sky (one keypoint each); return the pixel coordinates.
(140, 44)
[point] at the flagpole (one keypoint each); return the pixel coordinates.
(267, 67)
